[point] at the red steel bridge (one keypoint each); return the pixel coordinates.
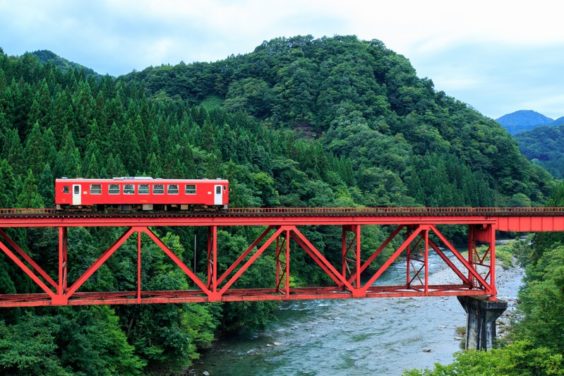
(413, 235)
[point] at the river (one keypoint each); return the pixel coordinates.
(354, 337)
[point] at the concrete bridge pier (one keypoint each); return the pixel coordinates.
(480, 324)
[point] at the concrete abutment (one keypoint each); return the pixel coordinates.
(480, 323)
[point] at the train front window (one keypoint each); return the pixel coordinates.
(95, 189)
(143, 189)
(158, 189)
(172, 189)
(190, 189)
(66, 189)
(114, 189)
(129, 189)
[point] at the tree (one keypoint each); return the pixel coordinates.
(68, 158)
(8, 187)
(28, 196)
(29, 347)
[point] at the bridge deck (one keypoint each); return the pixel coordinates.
(504, 219)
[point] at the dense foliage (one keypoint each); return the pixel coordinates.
(537, 344)
(545, 146)
(298, 122)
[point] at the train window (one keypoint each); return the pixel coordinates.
(76, 189)
(173, 189)
(190, 189)
(128, 189)
(95, 189)
(143, 189)
(113, 189)
(218, 189)
(158, 189)
(66, 189)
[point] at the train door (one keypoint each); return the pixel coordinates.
(218, 196)
(76, 194)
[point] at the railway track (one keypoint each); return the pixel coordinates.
(294, 212)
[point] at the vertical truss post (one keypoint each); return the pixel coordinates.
(471, 251)
(63, 265)
(139, 233)
(408, 264)
(357, 256)
(283, 268)
(287, 262)
(344, 251)
(212, 260)
(209, 253)
(426, 260)
(493, 289)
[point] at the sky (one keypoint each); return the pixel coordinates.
(498, 56)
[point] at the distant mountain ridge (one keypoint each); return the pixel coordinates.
(559, 121)
(525, 120)
(540, 138)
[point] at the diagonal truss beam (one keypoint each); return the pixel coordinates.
(320, 259)
(460, 258)
(378, 251)
(26, 270)
(447, 261)
(177, 260)
(100, 261)
(28, 259)
(243, 255)
(392, 258)
(251, 260)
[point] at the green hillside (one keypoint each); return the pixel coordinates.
(545, 146)
(298, 122)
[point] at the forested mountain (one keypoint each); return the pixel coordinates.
(298, 122)
(523, 121)
(545, 145)
(364, 103)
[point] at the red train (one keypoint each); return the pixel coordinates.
(144, 193)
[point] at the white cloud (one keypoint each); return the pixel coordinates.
(118, 36)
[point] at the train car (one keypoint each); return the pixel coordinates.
(141, 193)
